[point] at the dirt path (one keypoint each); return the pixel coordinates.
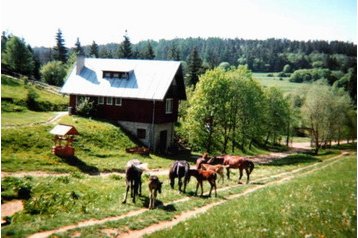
(279, 178)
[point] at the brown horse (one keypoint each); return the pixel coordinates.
(154, 186)
(202, 175)
(203, 159)
(235, 162)
(218, 168)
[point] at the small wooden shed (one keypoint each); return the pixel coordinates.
(64, 135)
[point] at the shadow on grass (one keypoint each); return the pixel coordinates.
(294, 159)
(82, 166)
(158, 204)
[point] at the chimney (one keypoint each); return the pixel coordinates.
(80, 63)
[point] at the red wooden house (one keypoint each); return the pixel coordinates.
(141, 95)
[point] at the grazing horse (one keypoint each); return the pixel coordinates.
(202, 175)
(241, 163)
(134, 170)
(179, 169)
(218, 168)
(154, 186)
(202, 160)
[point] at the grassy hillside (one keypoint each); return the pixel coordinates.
(14, 93)
(99, 147)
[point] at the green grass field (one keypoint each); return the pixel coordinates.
(66, 200)
(320, 204)
(14, 93)
(284, 85)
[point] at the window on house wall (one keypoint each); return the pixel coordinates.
(107, 75)
(118, 102)
(141, 133)
(109, 101)
(169, 105)
(115, 75)
(100, 100)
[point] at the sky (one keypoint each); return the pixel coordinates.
(105, 21)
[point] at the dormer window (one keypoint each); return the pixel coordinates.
(116, 75)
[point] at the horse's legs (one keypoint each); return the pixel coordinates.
(125, 197)
(201, 185)
(180, 183)
(135, 190)
(140, 186)
(240, 175)
(228, 173)
(197, 186)
(248, 175)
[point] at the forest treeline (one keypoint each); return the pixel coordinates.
(335, 61)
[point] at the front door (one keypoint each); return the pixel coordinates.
(163, 141)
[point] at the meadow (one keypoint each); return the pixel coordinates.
(89, 187)
(282, 83)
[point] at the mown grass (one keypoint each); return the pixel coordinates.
(321, 204)
(25, 118)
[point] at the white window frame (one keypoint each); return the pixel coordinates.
(109, 101)
(100, 100)
(169, 106)
(118, 101)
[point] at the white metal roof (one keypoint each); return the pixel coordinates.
(149, 79)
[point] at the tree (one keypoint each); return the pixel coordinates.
(78, 48)
(148, 52)
(60, 50)
(4, 39)
(17, 56)
(53, 73)
(94, 50)
(278, 115)
(325, 112)
(173, 53)
(125, 48)
(194, 67)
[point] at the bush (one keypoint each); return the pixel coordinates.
(85, 107)
(53, 73)
(31, 100)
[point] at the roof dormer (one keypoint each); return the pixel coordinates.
(116, 74)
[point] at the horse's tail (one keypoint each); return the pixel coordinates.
(186, 173)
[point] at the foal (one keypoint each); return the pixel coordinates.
(202, 175)
(218, 168)
(154, 186)
(134, 170)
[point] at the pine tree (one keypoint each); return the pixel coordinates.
(194, 67)
(125, 48)
(148, 52)
(94, 50)
(60, 51)
(78, 48)
(173, 53)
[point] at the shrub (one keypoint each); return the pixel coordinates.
(85, 107)
(53, 73)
